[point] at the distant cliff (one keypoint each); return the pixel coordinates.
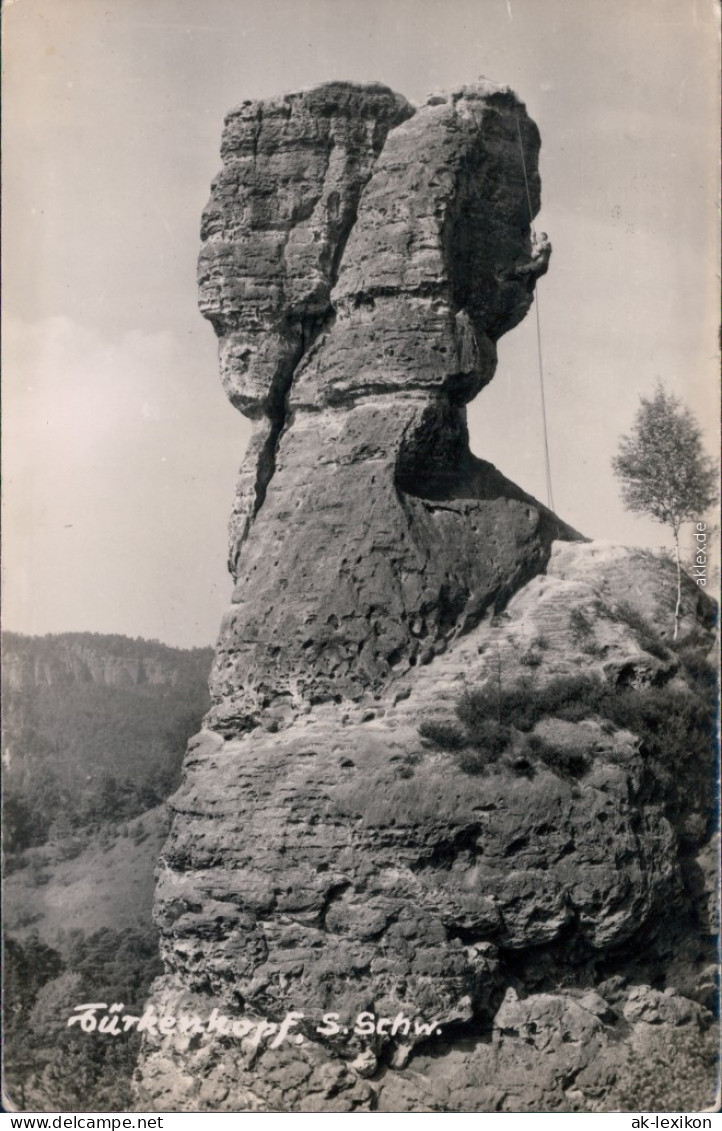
(93, 728)
(91, 657)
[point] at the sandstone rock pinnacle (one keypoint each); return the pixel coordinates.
(360, 260)
(535, 890)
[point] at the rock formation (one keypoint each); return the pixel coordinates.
(358, 293)
(89, 658)
(360, 259)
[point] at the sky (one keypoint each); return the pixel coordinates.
(120, 450)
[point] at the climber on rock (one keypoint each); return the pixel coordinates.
(538, 264)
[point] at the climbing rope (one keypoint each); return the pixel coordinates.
(550, 496)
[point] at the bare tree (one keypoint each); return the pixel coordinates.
(664, 470)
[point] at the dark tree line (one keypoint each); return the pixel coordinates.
(49, 1066)
(80, 754)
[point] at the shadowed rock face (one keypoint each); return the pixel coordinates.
(359, 262)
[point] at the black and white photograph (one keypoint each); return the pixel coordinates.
(360, 558)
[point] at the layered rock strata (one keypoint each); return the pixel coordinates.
(345, 865)
(360, 261)
(522, 926)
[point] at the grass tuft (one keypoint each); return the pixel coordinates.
(446, 736)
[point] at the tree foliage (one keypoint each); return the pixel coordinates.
(50, 1067)
(662, 466)
(664, 470)
(81, 751)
